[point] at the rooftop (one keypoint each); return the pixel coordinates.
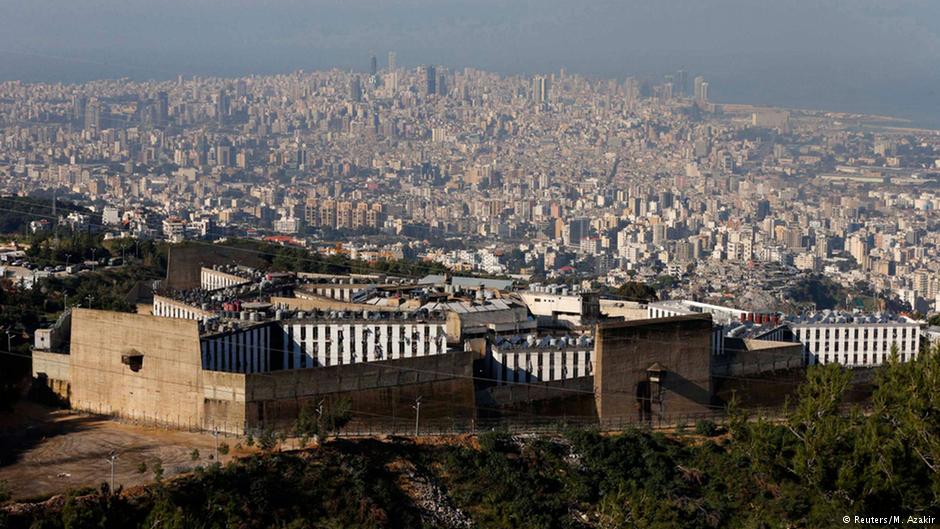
(828, 317)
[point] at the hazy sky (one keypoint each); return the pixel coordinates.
(867, 55)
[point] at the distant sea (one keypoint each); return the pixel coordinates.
(914, 97)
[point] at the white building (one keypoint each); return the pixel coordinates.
(854, 339)
(174, 229)
(341, 341)
(529, 359)
(165, 307)
(110, 215)
(287, 225)
(720, 315)
(725, 318)
(320, 341)
(212, 279)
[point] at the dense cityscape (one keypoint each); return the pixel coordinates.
(557, 176)
(446, 297)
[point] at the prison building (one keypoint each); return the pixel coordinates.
(238, 376)
(855, 339)
(165, 307)
(240, 350)
(214, 279)
(530, 359)
(331, 342)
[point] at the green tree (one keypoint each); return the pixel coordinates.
(636, 291)
(308, 421)
(337, 414)
(157, 469)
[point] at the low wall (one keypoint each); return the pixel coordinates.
(224, 402)
(55, 371)
(573, 398)
(379, 392)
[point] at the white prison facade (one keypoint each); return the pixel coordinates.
(857, 345)
(320, 344)
(507, 366)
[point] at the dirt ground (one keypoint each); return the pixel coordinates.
(46, 451)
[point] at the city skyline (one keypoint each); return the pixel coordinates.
(828, 56)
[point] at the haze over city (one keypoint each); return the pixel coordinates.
(864, 56)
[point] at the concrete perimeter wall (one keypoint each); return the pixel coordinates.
(571, 398)
(380, 392)
(55, 371)
(168, 387)
(185, 262)
(224, 402)
(623, 354)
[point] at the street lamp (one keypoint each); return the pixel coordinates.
(320, 421)
(417, 408)
(112, 458)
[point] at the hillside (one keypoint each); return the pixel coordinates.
(822, 462)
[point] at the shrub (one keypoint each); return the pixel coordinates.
(267, 440)
(157, 468)
(496, 442)
(706, 427)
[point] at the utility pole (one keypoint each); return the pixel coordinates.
(320, 419)
(112, 458)
(417, 408)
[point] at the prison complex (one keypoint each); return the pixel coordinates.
(247, 349)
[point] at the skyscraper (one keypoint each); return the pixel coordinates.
(763, 209)
(682, 83)
(93, 114)
(633, 90)
(221, 107)
(392, 61)
(429, 78)
(374, 66)
(163, 109)
(701, 89)
(441, 87)
(78, 108)
(355, 89)
(541, 87)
